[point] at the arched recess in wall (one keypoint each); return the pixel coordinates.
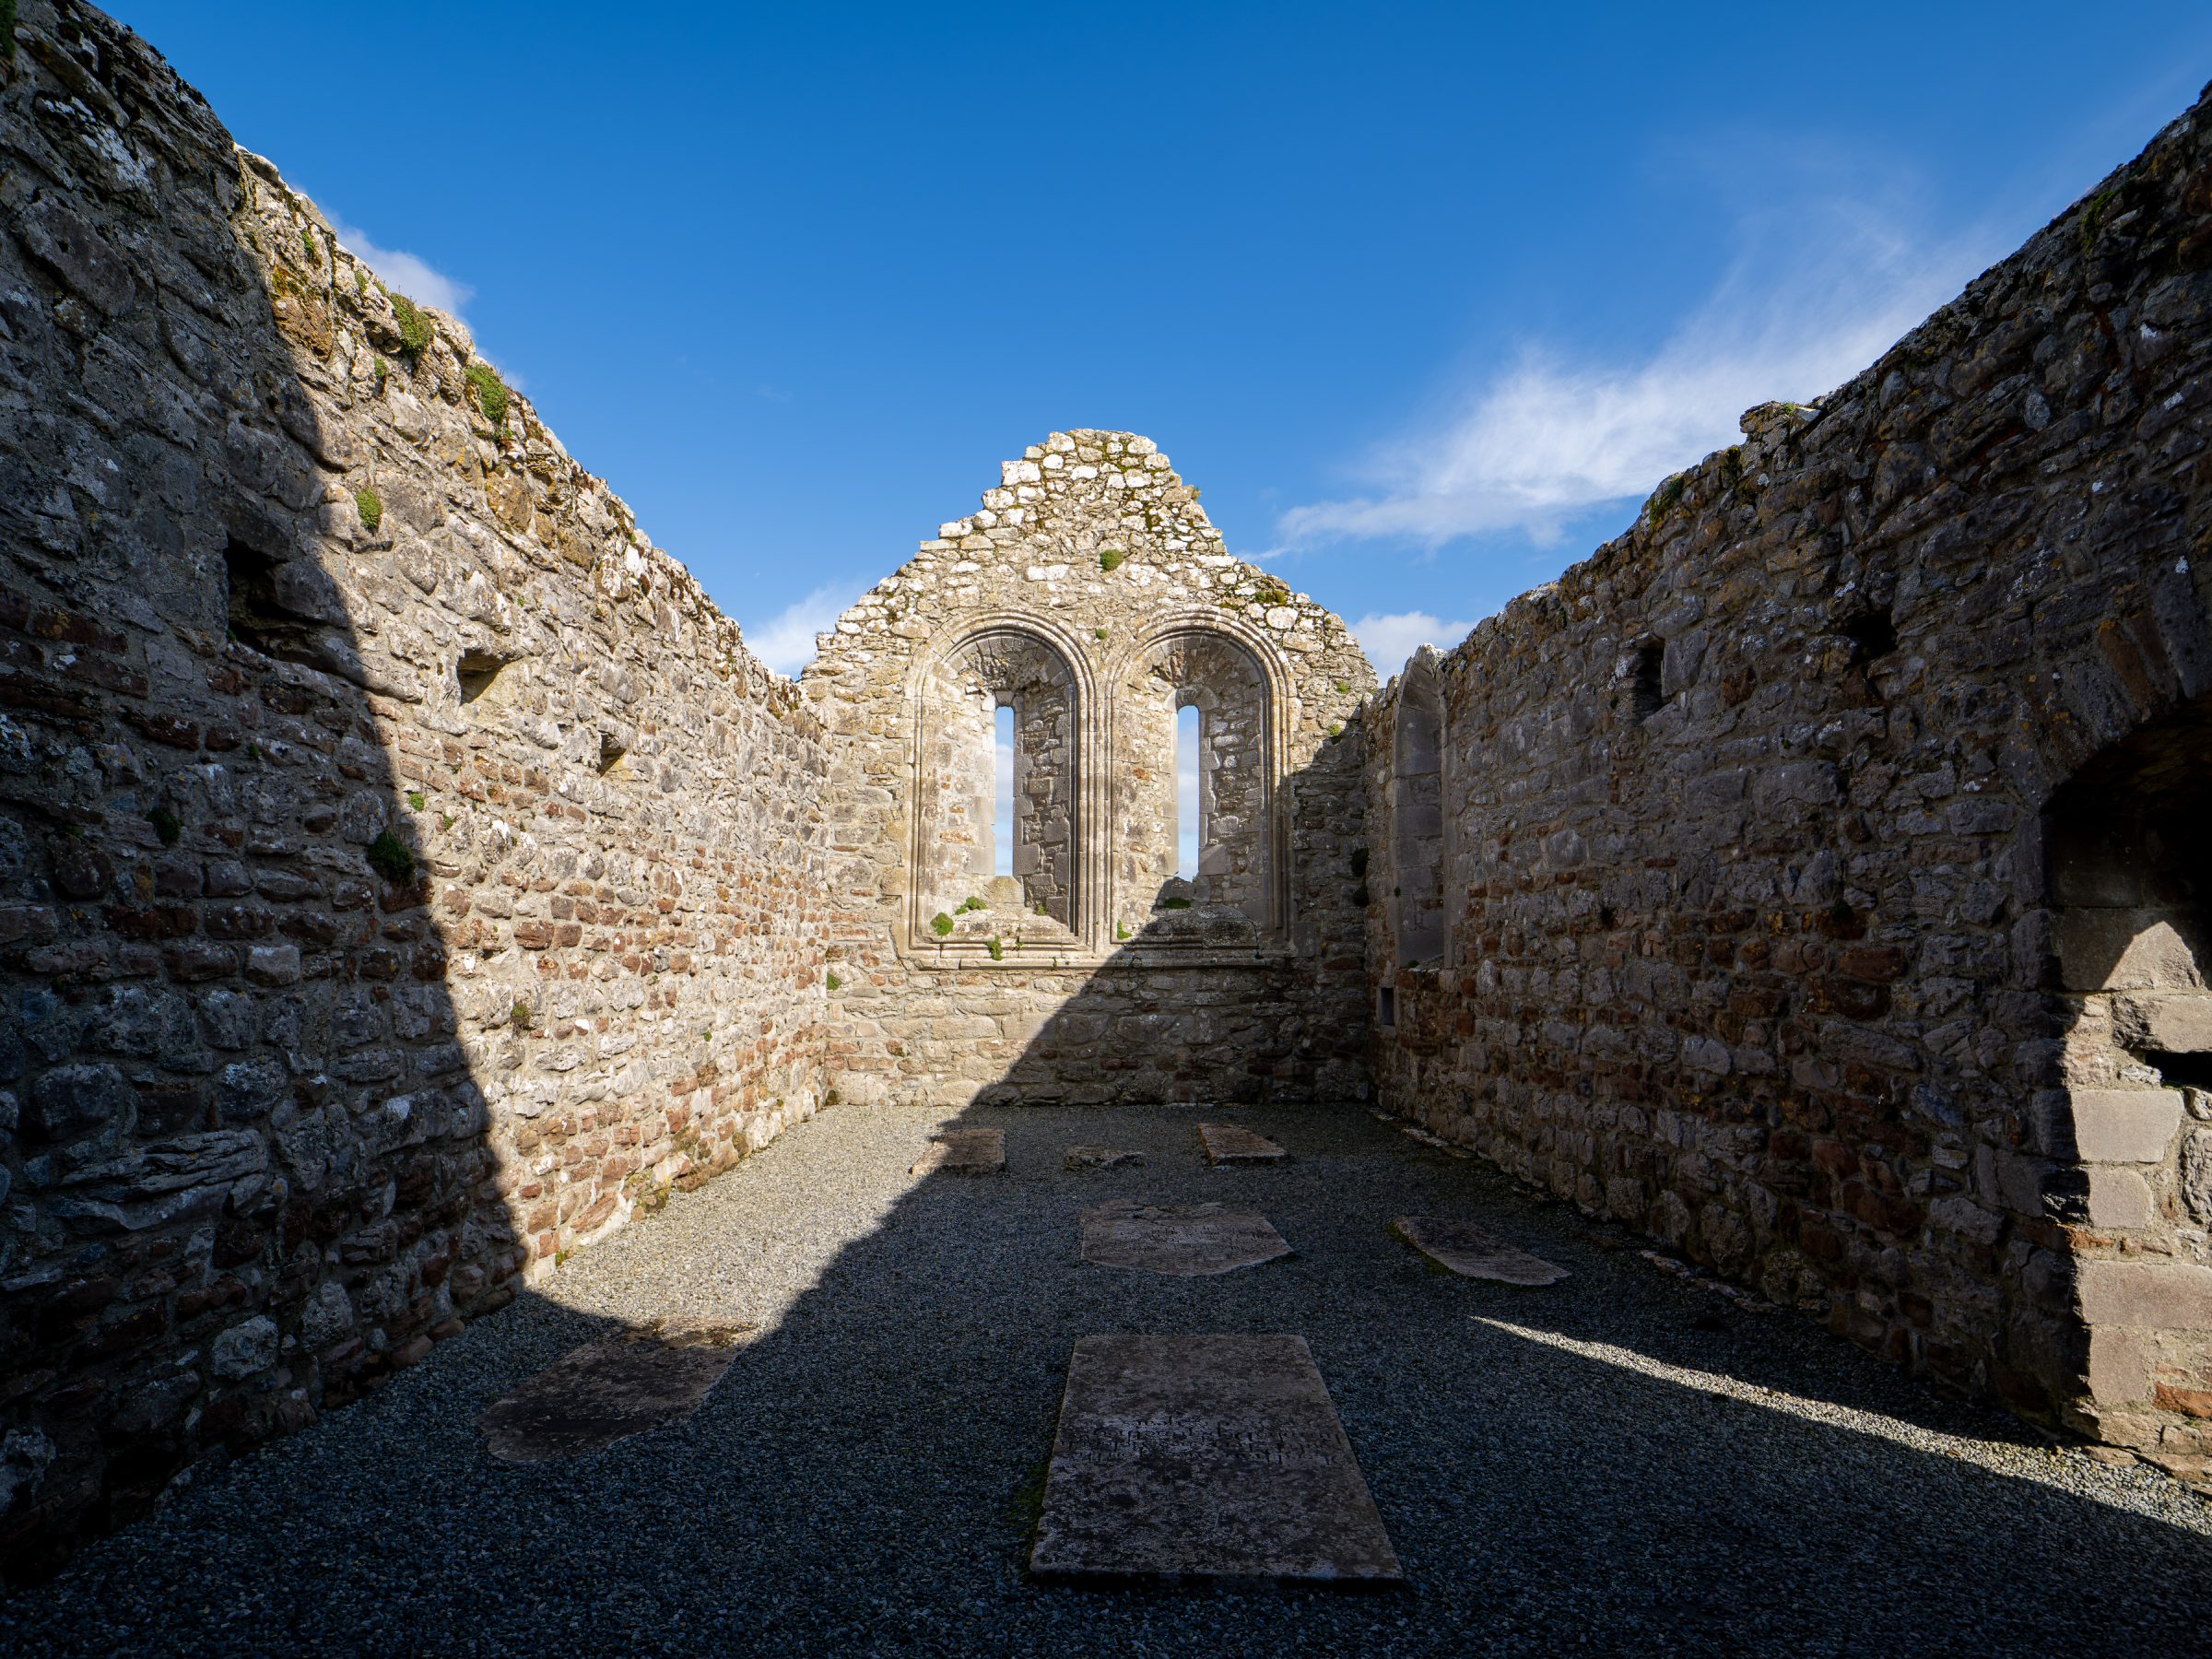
(2130, 888)
(1417, 815)
(957, 694)
(1236, 894)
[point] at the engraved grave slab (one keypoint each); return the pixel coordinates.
(964, 1152)
(1234, 1144)
(1475, 1251)
(1206, 1457)
(609, 1389)
(1191, 1240)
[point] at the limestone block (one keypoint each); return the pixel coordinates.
(2125, 1125)
(2120, 1199)
(2174, 1296)
(2119, 1365)
(2180, 1023)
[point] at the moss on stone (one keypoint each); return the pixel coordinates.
(1271, 591)
(969, 903)
(308, 243)
(417, 799)
(1175, 904)
(833, 982)
(7, 29)
(414, 327)
(370, 506)
(389, 858)
(167, 825)
(491, 392)
(1110, 558)
(998, 951)
(940, 924)
(519, 1016)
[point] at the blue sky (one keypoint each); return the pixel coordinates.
(1425, 298)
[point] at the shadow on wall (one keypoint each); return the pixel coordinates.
(246, 1152)
(1196, 984)
(252, 512)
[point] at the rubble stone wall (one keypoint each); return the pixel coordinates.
(1096, 973)
(405, 872)
(1758, 937)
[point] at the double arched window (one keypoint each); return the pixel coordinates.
(1047, 816)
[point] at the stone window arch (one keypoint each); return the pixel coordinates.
(956, 736)
(1416, 818)
(1234, 894)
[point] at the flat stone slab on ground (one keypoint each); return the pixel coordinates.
(1206, 1457)
(964, 1152)
(1475, 1251)
(609, 1389)
(1191, 1240)
(1101, 1157)
(1234, 1144)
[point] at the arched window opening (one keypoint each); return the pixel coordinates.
(1190, 819)
(1002, 798)
(1193, 794)
(1416, 810)
(997, 734)
(2131, 898)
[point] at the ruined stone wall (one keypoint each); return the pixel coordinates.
(405, 873)
(1095, 973)
(1757, 937)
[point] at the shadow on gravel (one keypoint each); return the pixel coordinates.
(863, 1480)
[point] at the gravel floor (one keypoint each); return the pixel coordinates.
(1585, 1466)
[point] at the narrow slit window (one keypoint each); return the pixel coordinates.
(1002, 796)
(1190, 830)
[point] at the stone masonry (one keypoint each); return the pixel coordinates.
(405, 873)
(407, 876)
(1824, 860)
(1090, 595)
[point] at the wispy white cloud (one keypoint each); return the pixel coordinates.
(405, 273)
(1390, 637)
(1814, 295)
(785, 641)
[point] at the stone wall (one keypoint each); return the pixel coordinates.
(405, 872)
(1824, 859)
(1096, 973)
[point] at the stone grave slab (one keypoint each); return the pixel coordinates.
(1205, 1458)
(1234, 1144)
(1190, 1241)
(1080, 1158)
(1475, 1251)
(609, 1389)
(964, 1152)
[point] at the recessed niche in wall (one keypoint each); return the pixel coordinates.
(259, 617)
(484, 678)
(1874, 633)
(614, 758)
(1645, 699)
